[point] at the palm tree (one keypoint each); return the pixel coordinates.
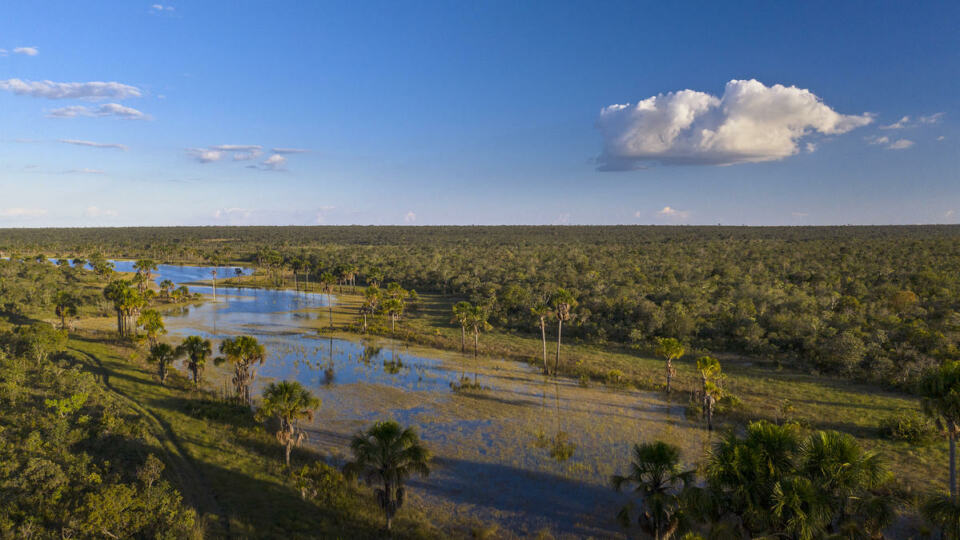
(288, 402)
(710, 372)
(394, 308)
(388, 455)
(563, 302)
(239, 273)
(197, 350)
(244, 352)
(165, 287)
(941, 401)
(660, 481)
(541, 311)
(670, 349)
(944, 512)
(327, 280)
(65, 305)
(477, 319)
(152, 323)
(163, 355)
(144, 268)
(461, 315)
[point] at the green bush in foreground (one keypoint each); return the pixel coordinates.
(908, 427)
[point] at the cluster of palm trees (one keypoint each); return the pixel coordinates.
(472, 316)
(773, 481)
(391, 302)
(130, 297)
(559, 306)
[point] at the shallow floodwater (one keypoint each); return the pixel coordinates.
(526, 452)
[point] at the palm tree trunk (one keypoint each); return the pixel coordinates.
(463, 338)
(476, 341)
(669, 373)
(953, 464)
(556, 363)
(543, 339)
(288, 449)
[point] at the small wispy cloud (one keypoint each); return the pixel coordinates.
(670, 212)
(107, 109)
(97, 212)
(160, 8)
(289, 150)
(931, 118)
(26, 51)
(900, 144)
(84, 171)
(410, 217)
(873, 139)
(241, 152)
(95, 90)
(93, 144)
(899, 124)
(799, 214)
(23, 212)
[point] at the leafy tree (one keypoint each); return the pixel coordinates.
(163, 355)
(145, 269)
(660, 481)
(670, 349)
(197, 350)
(39, 340)
(245, 353)
(289, 402)
(65, 305)
(394, 309)
(387, 455)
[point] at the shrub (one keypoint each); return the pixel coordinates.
(910, 427)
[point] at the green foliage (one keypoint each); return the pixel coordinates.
(908, 427)
(73, 463)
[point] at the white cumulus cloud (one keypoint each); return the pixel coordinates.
(28, 51)
(750, 122)
(95, 90)
(107, 109)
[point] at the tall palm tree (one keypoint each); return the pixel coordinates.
(540, 312)
(659, 480)
(387, 455)
(941, 401)
(563, 303)
(710, 373)
(245, 353)
(477, 319)
(65, 305)
(327, 281)
(461, 316)
(289, 402)
(197, 350)
(670, 349)
(163, 355)
(394, 309)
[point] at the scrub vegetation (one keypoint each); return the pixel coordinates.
(826, 359)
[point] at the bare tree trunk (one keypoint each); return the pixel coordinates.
(556, 364)
(669, 373)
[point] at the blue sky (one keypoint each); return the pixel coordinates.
(478, 113)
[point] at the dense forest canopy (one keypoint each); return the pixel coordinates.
(873, 302)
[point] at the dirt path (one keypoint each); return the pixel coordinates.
(193, 484)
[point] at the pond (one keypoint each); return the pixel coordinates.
(525, 452)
